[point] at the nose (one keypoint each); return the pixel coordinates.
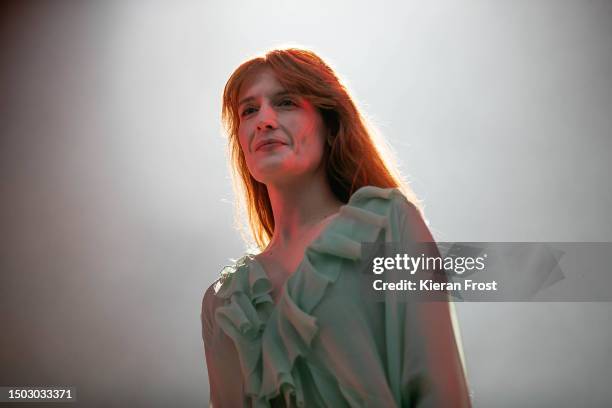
(267, 119)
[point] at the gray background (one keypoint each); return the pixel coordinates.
(116, 206)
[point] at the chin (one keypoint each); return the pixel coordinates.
(278, 170)
(277, 175)
(268, 170)
(274, 178)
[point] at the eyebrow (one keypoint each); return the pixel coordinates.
(276, 95)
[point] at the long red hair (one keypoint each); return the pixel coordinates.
(352, 157)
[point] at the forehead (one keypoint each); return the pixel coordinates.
(263, 82)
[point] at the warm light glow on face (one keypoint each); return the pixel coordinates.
(281, 134)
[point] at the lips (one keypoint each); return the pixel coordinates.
(265, 142)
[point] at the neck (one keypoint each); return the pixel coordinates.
(299, 206)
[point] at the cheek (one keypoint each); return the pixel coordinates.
(243, 140)
(318, 133)
(313, 146)
(311, 132)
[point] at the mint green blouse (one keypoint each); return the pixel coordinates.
(322, 344)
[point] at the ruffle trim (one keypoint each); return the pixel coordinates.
(270, 339)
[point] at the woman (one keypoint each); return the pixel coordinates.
(288, 327)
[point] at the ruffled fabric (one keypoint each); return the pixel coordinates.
(272, 341)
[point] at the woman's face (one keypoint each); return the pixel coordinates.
(281, 135)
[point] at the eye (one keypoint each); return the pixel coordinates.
(286, 102)
(247, 111)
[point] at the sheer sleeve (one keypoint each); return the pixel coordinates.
(224, 375)
(431, 372)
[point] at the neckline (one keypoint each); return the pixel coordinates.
(324, 231)
(333, 219)
(259, 273)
